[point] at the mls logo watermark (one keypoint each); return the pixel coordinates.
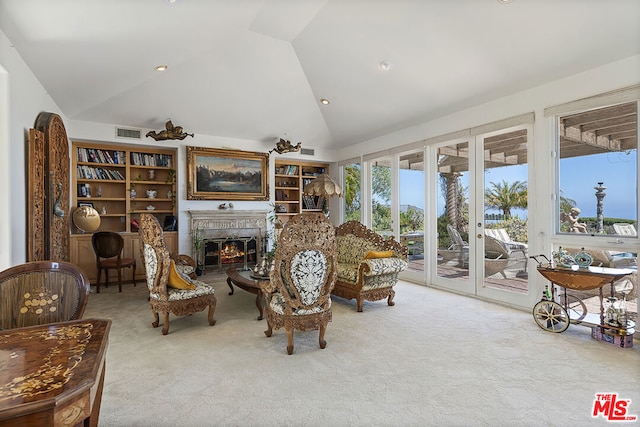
(611, 408)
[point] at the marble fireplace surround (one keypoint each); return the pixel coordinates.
(230, 223)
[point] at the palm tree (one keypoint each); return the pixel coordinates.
(505, 196)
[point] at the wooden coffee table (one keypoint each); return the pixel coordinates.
(243, 280)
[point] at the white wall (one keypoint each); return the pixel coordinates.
(26, 99)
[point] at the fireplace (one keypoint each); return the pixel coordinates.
(230, 252)
(231, 238)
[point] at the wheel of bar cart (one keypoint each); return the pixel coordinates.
(551, 316)
(575, 307)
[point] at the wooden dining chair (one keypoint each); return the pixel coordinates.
(42, 292)
(108, 246)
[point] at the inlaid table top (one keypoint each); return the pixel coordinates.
(52, 374)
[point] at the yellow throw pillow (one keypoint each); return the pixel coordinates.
(177, 281)
(378, 254)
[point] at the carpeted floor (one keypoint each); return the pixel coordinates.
(434, 358)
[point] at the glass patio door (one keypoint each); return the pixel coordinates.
(502, 220)
(480, 190)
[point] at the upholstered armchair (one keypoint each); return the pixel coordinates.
(298, 294)
(169, 290)
(41, 292)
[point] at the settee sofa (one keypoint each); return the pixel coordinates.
(368, 264)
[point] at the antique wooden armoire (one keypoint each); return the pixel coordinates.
(48, 186)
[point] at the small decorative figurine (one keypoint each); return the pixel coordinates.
(171, 132)
(284, 146)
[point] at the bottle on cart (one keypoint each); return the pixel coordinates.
(546, 295)
(611, 312)
(622, 311)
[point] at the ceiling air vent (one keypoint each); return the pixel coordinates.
(128, 133)
(308, 151)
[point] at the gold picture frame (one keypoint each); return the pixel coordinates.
(221, 174)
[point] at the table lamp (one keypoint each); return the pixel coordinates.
(323, 186)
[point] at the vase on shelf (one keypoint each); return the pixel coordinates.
(152, 174)
(152, 194)
(132, 193)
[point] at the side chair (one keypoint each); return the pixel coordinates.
(298, 294)
(42, 292)
(108, 246)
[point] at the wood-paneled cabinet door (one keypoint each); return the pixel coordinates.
(83, 256)
(132, 247)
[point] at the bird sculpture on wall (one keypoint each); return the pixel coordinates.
(170, 132)
(285, 146)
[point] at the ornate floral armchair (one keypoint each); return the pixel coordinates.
(368, 264)
(164, 298)
(298, 294)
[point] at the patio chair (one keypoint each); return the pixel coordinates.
(499, 256)
(458, 245)
(502, 235)
(624, 229)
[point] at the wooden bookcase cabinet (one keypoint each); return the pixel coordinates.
(104, 176)
(290, 179)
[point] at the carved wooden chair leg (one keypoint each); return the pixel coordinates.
(165, 320)
(321, 341)
(157, 321)
(212, 321)
(119, 280)
(390, 300)
(360, 301)
(269, 330)
(290, 341)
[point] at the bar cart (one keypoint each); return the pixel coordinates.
(556, 311)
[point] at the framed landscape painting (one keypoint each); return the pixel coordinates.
(219, 174)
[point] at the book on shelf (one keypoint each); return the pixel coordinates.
(149, 159)
(292, 170)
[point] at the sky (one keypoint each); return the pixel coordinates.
(578, 177)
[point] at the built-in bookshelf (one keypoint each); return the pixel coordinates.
(290, 179)
(121, 182)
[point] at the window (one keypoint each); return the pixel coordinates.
(598, 171)
(352, 192)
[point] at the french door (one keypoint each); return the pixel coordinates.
(479, 213)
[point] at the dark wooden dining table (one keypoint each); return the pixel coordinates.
(53, 375)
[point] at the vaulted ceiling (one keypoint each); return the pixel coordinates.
(257, 69)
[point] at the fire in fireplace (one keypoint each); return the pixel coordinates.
(227, 252)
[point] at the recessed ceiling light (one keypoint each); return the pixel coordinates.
(504, 1)
(385, 66)
(325, 101)
(161, 68)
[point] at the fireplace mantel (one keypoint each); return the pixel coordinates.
(228, 222)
